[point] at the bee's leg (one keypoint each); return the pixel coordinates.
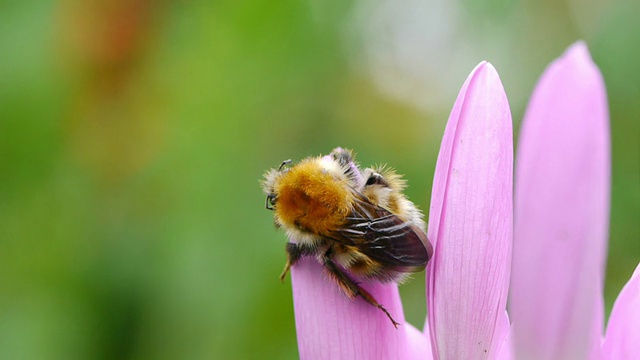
(351, 288)
(342, 156)
(294, 253)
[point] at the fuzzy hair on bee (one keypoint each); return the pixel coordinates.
(356, 222)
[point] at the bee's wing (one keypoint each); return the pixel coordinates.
(385, 238)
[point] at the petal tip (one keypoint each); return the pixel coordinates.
(574, 71)
(578, 50)
(578, 58)
(486, 69)
(482, 67)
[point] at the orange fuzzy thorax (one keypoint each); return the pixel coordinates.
(312, 198)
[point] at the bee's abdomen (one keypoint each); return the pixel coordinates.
(312, 200)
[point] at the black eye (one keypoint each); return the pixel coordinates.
(371, 180)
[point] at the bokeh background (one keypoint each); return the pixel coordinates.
(133, 135)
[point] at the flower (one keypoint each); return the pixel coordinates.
(558, 230)
(471, 229)
(561, 222)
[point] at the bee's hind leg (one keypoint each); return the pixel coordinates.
(351, 288)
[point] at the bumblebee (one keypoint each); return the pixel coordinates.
(356, 222)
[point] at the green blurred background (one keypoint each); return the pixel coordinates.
(133, 135)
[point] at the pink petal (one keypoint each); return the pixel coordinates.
(623, 331)
(331, 326)
(471, 221)
(561, 213)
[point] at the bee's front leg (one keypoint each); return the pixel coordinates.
(294, 253)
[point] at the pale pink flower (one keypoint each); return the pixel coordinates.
(561, 225)
(470, 225)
